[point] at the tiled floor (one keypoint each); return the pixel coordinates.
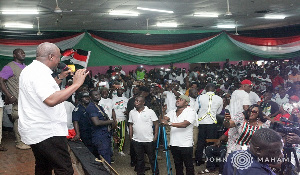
(21, 162)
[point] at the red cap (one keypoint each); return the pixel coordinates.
(295, 98)
(246, 81)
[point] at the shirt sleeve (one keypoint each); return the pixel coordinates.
(6, 72)
(246, 99)
(153, 116)
(130, 117)
(76, 115)
(220, 106)
(238, 119)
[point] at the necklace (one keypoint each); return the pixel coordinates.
(252, 127)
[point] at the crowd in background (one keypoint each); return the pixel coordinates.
(275, 89)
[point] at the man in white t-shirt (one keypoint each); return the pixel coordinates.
(107, 104)
(119, 106)
(181, 121)
(42, 115)
(171, 95)
(240, 99)
(141, 121)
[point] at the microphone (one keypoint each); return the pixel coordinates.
(62, 66)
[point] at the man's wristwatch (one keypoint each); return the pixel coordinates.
(170, 123)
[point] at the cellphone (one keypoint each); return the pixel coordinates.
(227, 111)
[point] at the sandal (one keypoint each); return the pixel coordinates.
(203, 172)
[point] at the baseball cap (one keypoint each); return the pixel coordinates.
(246, 81)
(186, 98)
(83, 94)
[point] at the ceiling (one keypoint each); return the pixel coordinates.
(93, 14)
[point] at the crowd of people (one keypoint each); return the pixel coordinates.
(104, 109)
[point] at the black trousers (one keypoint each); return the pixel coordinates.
(208, 131)
(183, 155)
(52, 154)
(144, 147)
(215, 156)
(132, 154)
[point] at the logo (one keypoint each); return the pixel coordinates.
(241, 160)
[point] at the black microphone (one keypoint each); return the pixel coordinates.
(62, 66)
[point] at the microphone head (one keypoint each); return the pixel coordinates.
(62, 66)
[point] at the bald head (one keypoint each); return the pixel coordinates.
(45, 49)
(49, 54)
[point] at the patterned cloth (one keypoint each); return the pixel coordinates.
(235, 133)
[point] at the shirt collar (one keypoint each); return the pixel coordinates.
(42, 66)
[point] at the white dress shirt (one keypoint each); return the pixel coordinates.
(38, 121)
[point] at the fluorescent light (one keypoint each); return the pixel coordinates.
(20, 12)
(210, 15)
(155, 10)
(226, 26)
(274, 16)
(166, 24)
(18, 25)
(123, 13)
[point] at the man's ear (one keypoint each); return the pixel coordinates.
(50, 57)
(257, 150)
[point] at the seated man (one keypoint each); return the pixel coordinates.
(265, 148)
(215, 154)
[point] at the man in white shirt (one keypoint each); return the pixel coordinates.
(171, 95)
(210, 105)
(240, 100)
(107, 104)
(42, 115)
(119, 106)
(281, 98)
(181, 121)
(141, 120)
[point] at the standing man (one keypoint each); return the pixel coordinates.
(141, 121)
(9, 82)
(119, 105)
(42, 115)
(81, 122)
(240, 100)
(181, 121)
(101, 129)
(210, 105)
